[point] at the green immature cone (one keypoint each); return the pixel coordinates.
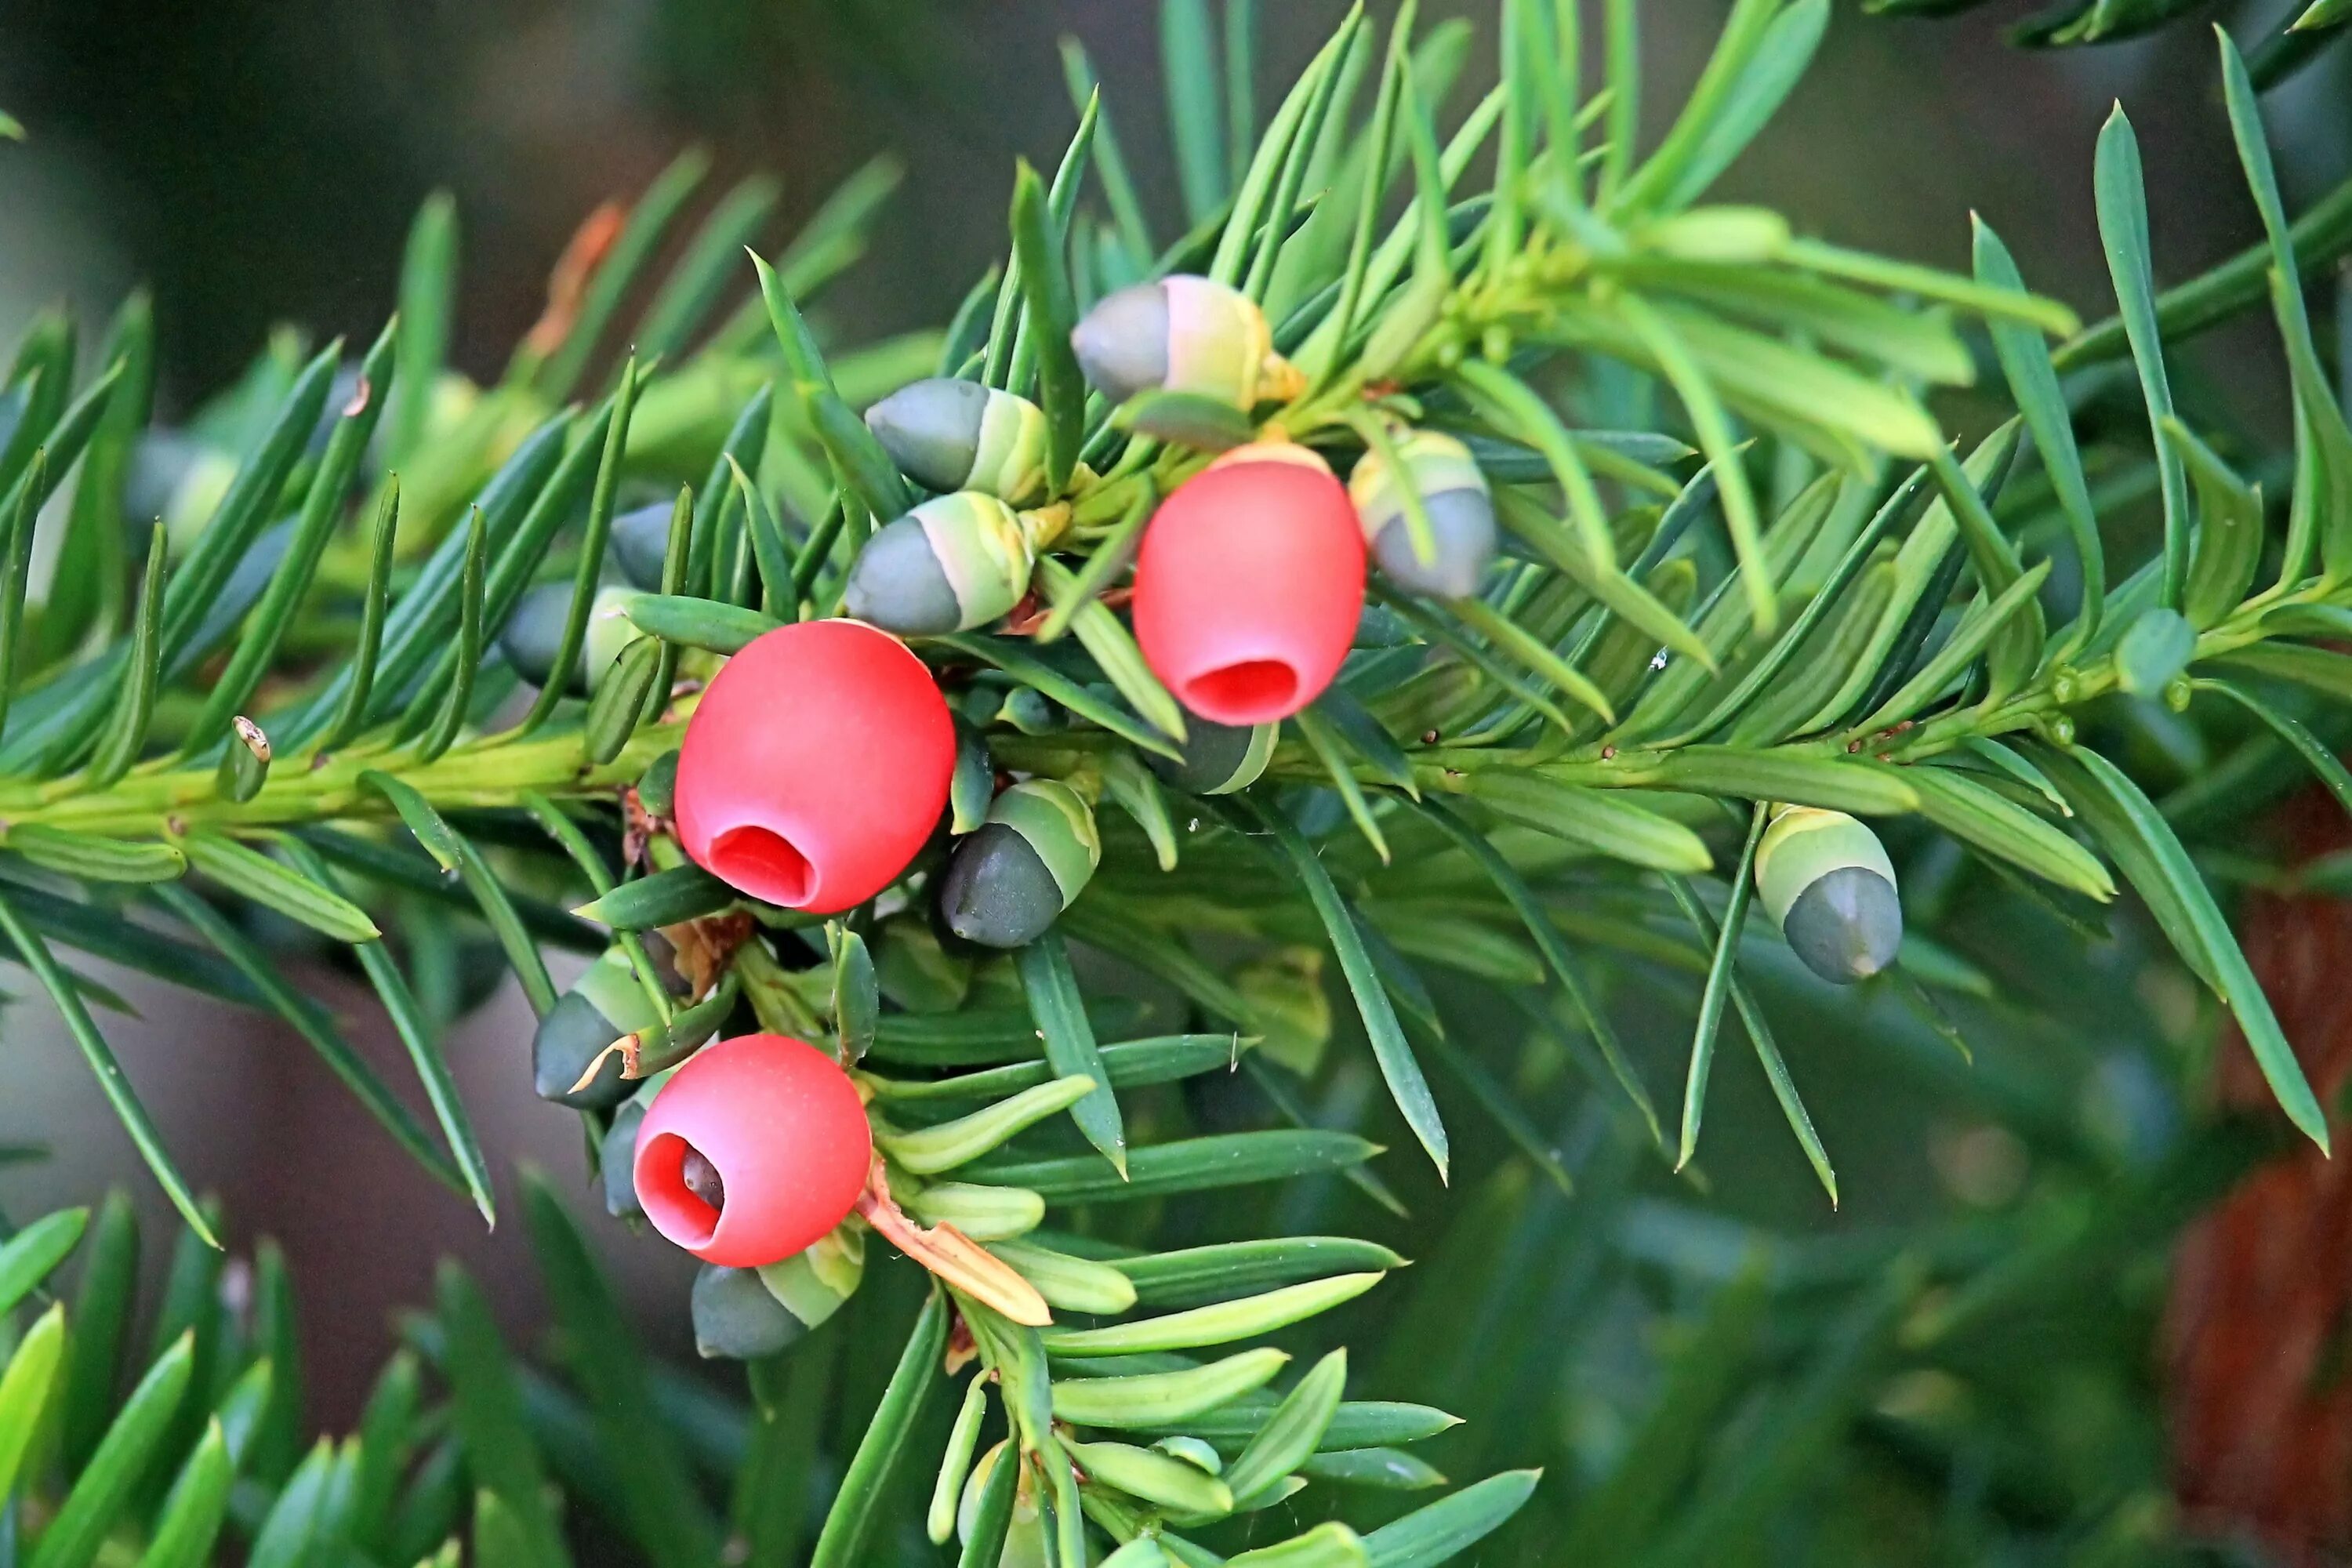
(1218, 759)
(1011, 880)
(639, 542)
(1827, 880)
(1440, 472)
(736, 1318)
(616, 1162)
(533, 634)
(606, 1003)
(1182, 335)
(954, 564)
(948, 434)
(812, 1285)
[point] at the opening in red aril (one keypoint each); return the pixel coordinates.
(1254, 686)
(682, 1214)
(764, 863)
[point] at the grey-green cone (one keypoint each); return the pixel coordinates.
(1827, 880)
(640, 544)
(616, 1160)
(737, 1318)
(948, 434)
(1453, 498)
(534, 633)
(954, 563)
(1011, 880)
(605, 1005)
(1218, 759)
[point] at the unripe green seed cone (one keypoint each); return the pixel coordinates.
(813, 1285)
(1826, 879)
(736, 1318)
(615, 1160)
(1010, 881)
(955, 562)
(1219, 759)
(534, 633)
(1182, 335)
(948, 434)
(639, 545)
(1453, 495)
(605, 1005)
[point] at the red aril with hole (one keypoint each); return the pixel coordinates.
(1249, 583)
(815, 766)
(752, 1151)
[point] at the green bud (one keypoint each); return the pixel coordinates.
(948, 434)
(1164, 1399)
(1069, 1284)
(982, 1213)
(1454, 496)
(658, 785)
(1012, 879)
(736, 1319)
(1192, 1451)
(1827, 881)
(623, 691)
(955, 562)
(1218, 759)
(959, 1142)
(1031, 713)
(1154, 1477)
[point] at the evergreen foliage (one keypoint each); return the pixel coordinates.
(1743, 568)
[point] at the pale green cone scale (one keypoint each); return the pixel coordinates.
(1826, 880)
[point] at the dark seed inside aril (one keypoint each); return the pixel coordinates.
(701, 1179)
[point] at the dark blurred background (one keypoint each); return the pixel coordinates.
(258, 161)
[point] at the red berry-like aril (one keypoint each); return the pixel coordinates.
(815, 766)
(769, 1127)
(1249, 583)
